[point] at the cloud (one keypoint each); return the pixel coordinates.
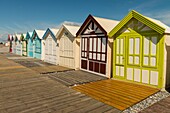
(163, 16)
(147, 5)
(71, 23)
(26, 27)
(153, 9)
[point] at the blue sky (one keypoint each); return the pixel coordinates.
(20, 16)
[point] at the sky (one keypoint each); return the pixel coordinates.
(21, 16)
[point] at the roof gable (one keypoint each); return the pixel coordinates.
(156, 25)
(39, 33)
(18, 36)
(53, 33)
(105, 25)
(71, 29)
(29, 35)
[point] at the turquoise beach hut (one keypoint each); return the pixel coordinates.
(37, 43)
(30, 44)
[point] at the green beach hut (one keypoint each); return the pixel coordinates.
(141, 50)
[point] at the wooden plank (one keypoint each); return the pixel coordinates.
(116, 93)
(102, 97)
(126, 91)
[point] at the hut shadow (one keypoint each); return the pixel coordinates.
(167, 87)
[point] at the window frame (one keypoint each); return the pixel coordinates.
(150, 49)
(134, 50)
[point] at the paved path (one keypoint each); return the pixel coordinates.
(162, 106)
(71, 78)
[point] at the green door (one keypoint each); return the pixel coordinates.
(120, 57)
(127, 54)
(137, 58)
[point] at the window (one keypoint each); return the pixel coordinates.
(150, 51)
(120, 50)
(134, 51)
(84, 47)
(97, 48)
(38, 46)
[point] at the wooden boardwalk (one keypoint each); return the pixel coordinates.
(71, 78)
(162, 106)
(23, 90)
(37, 65)
(118, 94)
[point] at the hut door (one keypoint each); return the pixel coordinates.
(120, 57)
(84, 53)
(94, 54)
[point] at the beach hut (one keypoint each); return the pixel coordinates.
(14, 43)
(68, 46)
(141, 50)
(50, 49)
(95, 45)
(24, 44)
(10, 39)
(18, 44)
(37, 43)
(30, 44)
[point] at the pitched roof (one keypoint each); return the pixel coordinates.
(72, 29)
(154, 24)
(53, 32)
(24, 35)
(40, 33)
(18, 36)
(107, 24)
(29, 34)
(167, 28)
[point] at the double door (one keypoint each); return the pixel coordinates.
(127, 53)
(94, 54)
(50, 51)
(136, 58)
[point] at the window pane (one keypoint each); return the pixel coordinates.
(117, 59)
(153, 45)
(121, 45)
(98, 56)
(117, 46)
(153, 61)
(94, 56)
(131, 46)
(104, 45)
(85, 54)
(85, 42)
(90, 48)
(146, 46)
(130, 59)
(137, 45)
(99, 45)
(94, 46)
(136, 60)
(146, 60)
(121, 60)
(103, 57)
